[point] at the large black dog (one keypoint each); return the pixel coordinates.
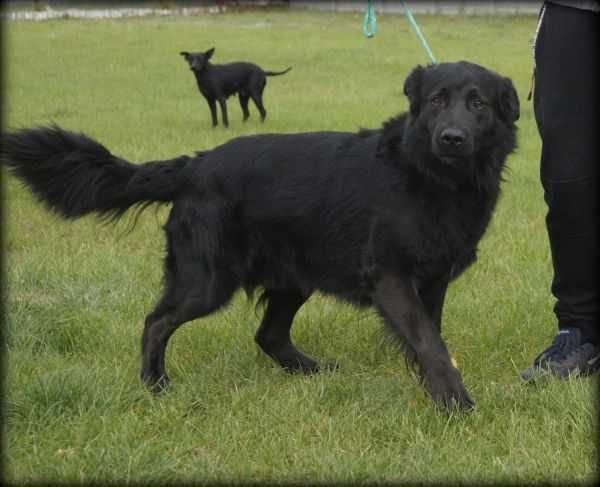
(217, 82)
(381, 217)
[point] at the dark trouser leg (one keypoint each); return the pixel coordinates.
(566, 96)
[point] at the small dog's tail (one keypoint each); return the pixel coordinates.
(277, 73)
(75, 175)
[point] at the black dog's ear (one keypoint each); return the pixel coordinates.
(210, 52)
(509, 101)
(185, 54)
(412, 89)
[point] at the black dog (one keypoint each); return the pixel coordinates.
(381, 217)
(217, 82)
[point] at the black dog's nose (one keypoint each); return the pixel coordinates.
(453, 137)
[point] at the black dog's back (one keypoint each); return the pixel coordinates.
(238, 75)
(233, 77)
(302, 204)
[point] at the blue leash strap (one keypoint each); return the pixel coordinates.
(370, 21)
(413, 23)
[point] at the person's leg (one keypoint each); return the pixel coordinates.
(566, 102)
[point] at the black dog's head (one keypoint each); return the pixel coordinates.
(461, 120)
(198, 60)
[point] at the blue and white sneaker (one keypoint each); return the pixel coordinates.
(567, 355)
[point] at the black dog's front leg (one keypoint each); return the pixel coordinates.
(212, 104)
(432, 295)
(223, 104)
(400, 305)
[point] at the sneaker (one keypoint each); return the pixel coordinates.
(566, 356)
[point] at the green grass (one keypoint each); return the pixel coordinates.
(77, 293)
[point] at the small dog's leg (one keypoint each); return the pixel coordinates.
(398, 302)
(257, 99)
(244, 104)
(223, 104)
(213, 111)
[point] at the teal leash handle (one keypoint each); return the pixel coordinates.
(370, 21)
(415, 27)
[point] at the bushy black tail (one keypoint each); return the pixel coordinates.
(75, 175)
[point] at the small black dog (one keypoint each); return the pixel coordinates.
(217, 82)
(383, 217)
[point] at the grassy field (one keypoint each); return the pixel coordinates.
(77, 293)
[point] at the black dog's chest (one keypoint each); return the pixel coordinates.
(450, 237)
(430, 235)
(458, 226)
(207, 86)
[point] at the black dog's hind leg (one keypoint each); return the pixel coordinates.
(257, 99)
(244, 97)
(273, 335)
(399, 303)
(168, 316)
(195, 286)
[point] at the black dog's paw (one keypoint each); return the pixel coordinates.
(449, 393)
(301, 364)
(307, 367)
(461, 403)
(315, 367)
(156, 385)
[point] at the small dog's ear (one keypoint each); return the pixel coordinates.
(412, 89)
(210, 52)
(508, 101)
(185, 54)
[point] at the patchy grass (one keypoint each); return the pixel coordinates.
(77, 292)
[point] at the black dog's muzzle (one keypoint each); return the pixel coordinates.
(452, 143)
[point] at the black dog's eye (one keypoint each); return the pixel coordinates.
(437, 100)
(477, 103)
